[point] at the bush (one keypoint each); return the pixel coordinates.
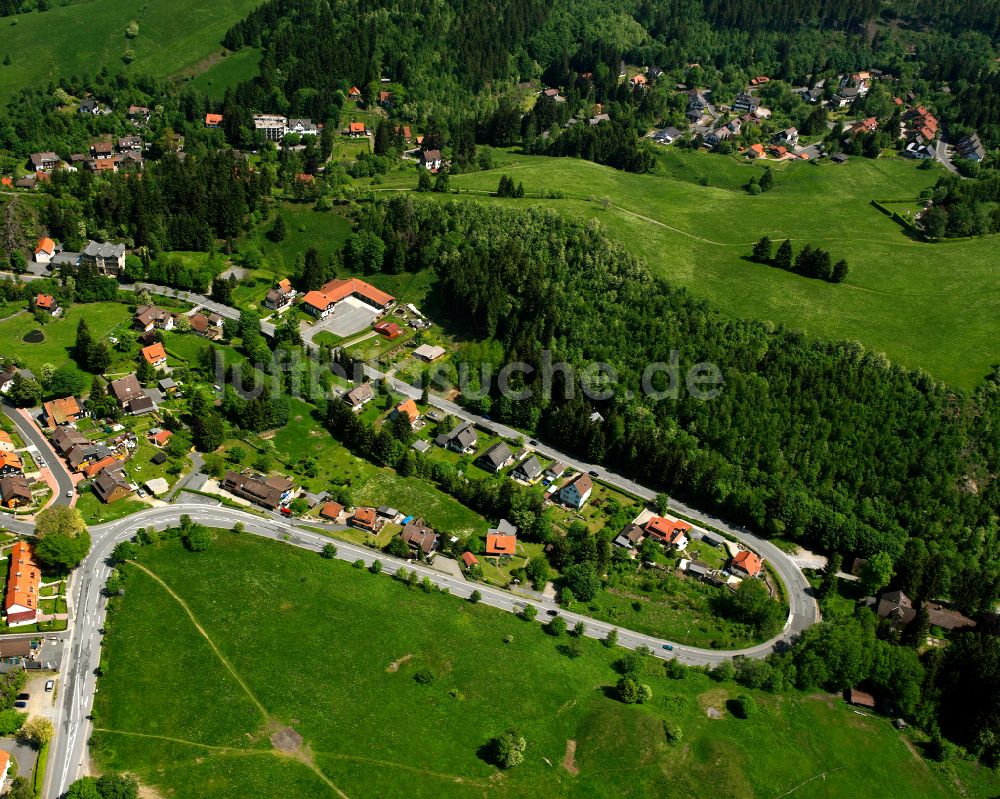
(475, 596)
(329, 551)
(423, 676)
(359, 564)
(556, 626)
(744, 706)
(508, 749)
(376, 567)
(529, 612)
(627, 690)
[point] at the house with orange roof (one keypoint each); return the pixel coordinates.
(6, 443)
(869, 125)
(21, 598)
(10, 463)
(92, 470)
(354, 92)
(65, 410)
(388, 329)
(331, 510)
(672, 532)
(499, 545)
(213, 120)
(755, 151)
(469, 560)
(407, 408)
(280, 296)
(155, 355)
(747, 563)
(4, 768)
(356, 129)
(365, 519)
(638, 80)
(322, 302)
(45, 250)
(46, 302)
(160, 438)
(6, 181)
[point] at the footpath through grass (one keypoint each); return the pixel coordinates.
(903, 297)
(332, 651)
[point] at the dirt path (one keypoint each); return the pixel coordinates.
(569, 759)
(301, 753)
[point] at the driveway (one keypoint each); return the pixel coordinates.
(24, 755)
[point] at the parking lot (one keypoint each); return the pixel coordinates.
(350, 316)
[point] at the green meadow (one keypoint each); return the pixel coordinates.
(929, 306)
(82, 37)
(207, 664)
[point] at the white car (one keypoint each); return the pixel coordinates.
(49, 685)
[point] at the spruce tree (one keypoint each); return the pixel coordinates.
(424, 180)
(762, 251)
(839, 271)
(279, 230)
(783, 258)
(84, 344)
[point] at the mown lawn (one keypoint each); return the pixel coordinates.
(86, 37)
(332, 652)
(60, 334)
(96, 512)
(902, 297)
(227, 72)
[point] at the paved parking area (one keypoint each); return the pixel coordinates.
(349, 317)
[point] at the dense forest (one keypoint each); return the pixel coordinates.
(819, 442)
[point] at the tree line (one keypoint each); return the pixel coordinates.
(810, 261)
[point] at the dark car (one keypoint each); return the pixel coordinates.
(533, 443)
(23, 697)
(669, 647)
(592, 473)
(20, 704)
(552, 612)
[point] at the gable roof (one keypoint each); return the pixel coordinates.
(125, 389)
(46, 245)
(357, 127)
(501, 544)
(59, 411)
(109, 481)
(336, 290)
(25, 578)
(99, 466)
(497, 455)
(408, 407)
(45, 301)
(331, 510)
(583, 484)
(14, 486)
(154, 353)
(748, 561)
(11, 459)
(531, 468)
(469, 559)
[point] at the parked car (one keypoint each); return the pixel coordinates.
(49, 685)
(20, 704)
(23, 697)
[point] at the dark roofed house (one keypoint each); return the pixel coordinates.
(630, 537)
(899, 610)
(44, 162)
(268, 492)
(461, 439)
(430, 159)
(860, 698)
(419, 537)
(111, 485)
(125, 390)
(141, 405)
(158, 458)
(529, 470)
(496, 457)
(15, 491)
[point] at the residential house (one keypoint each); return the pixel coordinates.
(597, 119)
(44, 162)
(419, 537)
(80, 456)
(554, 95)
(529, 470)
(845, 96)
(922, 152)
(555, 471)
(672, 532)
(6, 442)
(322, 302)
(869, 125)
(698, 569)
(65, 410)
(577, 491)
(213, 120)
(88, 105)
(354, 93)
(745, 103)
(280, 296)
(359, 396)
(407, 408)
(125, 390)
(331, 511)
(666, 135)
(921, 124)
(304, 127)
(388, 329)
(898, 609)
(357, 129)
(47, 303)
(778, 151)
(45, 250)
(428, 352)
(268, 492)
(202, 325)
(15, 491)
(4, 768)
(111, 484)
(149, 317)
(167, 385)
(653, 74)
(385, 98)
(138, 114)
(789, 137)
(697, 105)
(7, 378)
(638, 80)
(155, 355)
(21, 598)
(747, 563)
(630, 537)
(501, 541)
(430, 159)
(102, 150)
(495, 458)
(969, 148)
(760, 80)
(94, 469)
(755, 151)
(107, 258)
(461, 439)
(159, 437)
(271, 126)
(10, 463)
(65, 438)
(469, 560)
(365, 519)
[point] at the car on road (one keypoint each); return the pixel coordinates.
(69, 493)
(552, 612)
(592, 473)
(20, 704)
(669, 647)
(49, 685)
(40, 461)
(533, 443)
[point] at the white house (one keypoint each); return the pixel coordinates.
(430, 159)
(577, 491)
(45, 250)
(4, 768)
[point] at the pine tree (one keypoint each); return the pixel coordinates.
(766, 181)
(424, 180)
(839, 271)
(312, 271)
(279, 230)
(100, 358)
(783, 258)
(762, 251)
(84, 344)
(441, 184)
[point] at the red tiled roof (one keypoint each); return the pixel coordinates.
(99, 466)
(469, 559)
(331, 510)
(46, 245)
(336, 290)
(409, 407)
(25, 578)
(748, 561)
(498, 544)
(154, 353)
(365, 517)
(357, 127)
(44, 301)
(161, 438)
(213, 119)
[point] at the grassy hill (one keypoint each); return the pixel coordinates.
(174, 37)
(933, 306)
(332, 652)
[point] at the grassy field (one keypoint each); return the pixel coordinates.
(206, 659)
(60, 333)
(229, 71)
(325, 230)
(902, 296)
(176, 36)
